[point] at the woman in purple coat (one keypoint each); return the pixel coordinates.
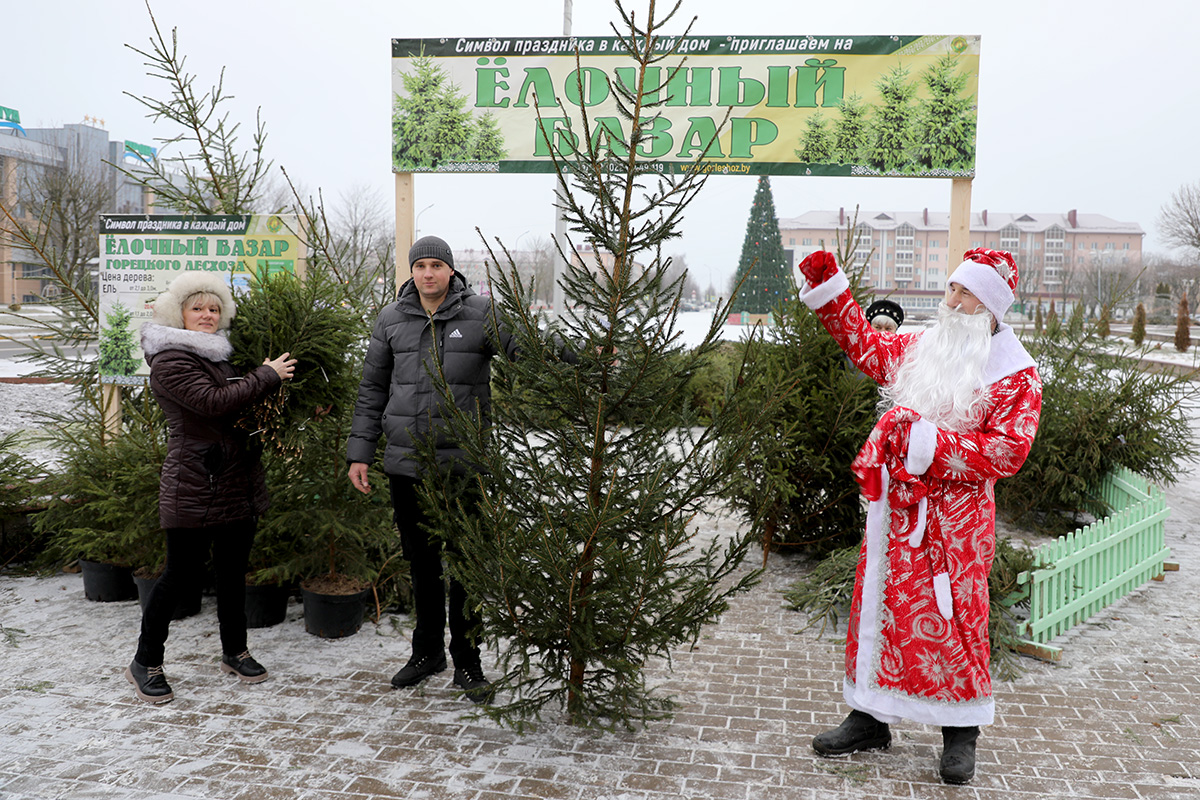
(212, 491)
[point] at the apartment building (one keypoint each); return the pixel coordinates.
(905, 254)
(536, 267)
(27, 156)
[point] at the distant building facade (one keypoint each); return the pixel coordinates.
(906, 253)
(26, 156)
(536, 267)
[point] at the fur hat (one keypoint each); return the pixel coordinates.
(991, 275)
(430, 247)
(887, 308)
(168, 308)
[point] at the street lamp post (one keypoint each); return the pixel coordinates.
(560, 224)
(417, 223)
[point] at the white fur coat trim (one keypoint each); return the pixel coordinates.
(816, 296)
(1007, 356)
(157, 338)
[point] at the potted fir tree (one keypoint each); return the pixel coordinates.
(103, 501)
(319, 531)
(19, 479)
(341, 540)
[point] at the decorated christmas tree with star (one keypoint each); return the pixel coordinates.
(764, 276)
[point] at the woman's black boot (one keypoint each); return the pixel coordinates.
(859, 731)
(245, 667)
(958, 754)
(149, 682)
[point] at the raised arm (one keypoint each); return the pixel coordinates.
(828, 294)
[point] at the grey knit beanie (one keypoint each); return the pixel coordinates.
(430, 247)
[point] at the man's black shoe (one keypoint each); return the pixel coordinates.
(245, 667)
(149, 682)
(476, 687)
(859, 731)
(419, 667)
(958, 755)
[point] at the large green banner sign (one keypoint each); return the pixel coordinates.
(141, 254)
(797, 105)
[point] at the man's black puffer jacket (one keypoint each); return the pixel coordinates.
(397, 397)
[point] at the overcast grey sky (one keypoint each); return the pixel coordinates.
(1083, 104)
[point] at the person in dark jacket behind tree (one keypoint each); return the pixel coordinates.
(436, 316)
(211, 491)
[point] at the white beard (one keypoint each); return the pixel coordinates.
(941, 377)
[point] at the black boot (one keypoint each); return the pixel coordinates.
(958, 754)
(859, 731)
(245, 667)
(469, 678)
(419, 667)
(149, 682)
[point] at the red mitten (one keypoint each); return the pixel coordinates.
(870, 481)
(868, 462)
(818, 268)
(889, 433)
(899, 428)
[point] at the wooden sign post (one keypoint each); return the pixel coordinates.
(960, 220)
(405, 225)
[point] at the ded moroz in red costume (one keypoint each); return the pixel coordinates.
(917, 643)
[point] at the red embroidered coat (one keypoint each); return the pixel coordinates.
(917, 645)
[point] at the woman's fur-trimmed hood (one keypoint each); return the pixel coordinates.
(168, 308)
(156, 338)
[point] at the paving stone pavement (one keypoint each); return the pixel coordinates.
(1118, 718)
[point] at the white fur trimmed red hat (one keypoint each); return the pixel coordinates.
(990, 275)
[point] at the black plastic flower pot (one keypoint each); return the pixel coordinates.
(333, 616)
(266, 605)
(107, 583)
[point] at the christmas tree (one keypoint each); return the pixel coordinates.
(892, 134)
(947, 139)
(817, 144)
(804, 493)
(764, 278)
(431, 124)
(590, 553)
(850, 131)
(309, 319)
(117, 344)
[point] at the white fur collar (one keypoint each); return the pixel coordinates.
(157, 338)
(1007, 356)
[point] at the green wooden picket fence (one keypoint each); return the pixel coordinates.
(1078, 574)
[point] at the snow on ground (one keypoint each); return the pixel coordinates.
(752, 692)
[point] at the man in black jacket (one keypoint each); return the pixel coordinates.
(437, 316)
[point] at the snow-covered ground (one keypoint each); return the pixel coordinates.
(1115, 719)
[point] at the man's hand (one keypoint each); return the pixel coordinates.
(358, 477)
(818, 268)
